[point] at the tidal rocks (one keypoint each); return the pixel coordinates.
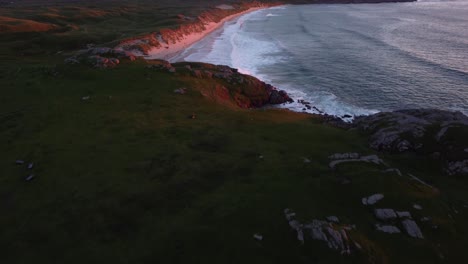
(373, 199)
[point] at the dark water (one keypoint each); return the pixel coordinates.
(352, 59)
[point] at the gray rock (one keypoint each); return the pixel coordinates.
(412, 229)
(258, 237)
(335, 237)
(30, 165)
(404, 214)
(370, 159)
(341, 156)
(30, 177)
(458, 167)
(19, 162)
(391, 229)
(333, 219)
(180, 91)
(395, 170)
(417, 207)
(373, 199)
(385, 214)
(389, 130)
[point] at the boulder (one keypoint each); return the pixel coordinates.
(391, 229)
(373, 199)
(404, 214)
(412, 229)
(385, 214)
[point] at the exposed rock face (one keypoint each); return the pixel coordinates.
(101, 57)
(335, 236)
(441, 134)
(246, 91)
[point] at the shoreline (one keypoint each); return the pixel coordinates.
(160, 46)
(176, 49)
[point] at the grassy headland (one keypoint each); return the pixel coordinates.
(128, 171)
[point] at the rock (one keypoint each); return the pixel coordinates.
(341, 156)
(466, 150)
(19, 162)
(388, 129)
(424, 131)
(370, 159)
(412, 229)
(397, 171)
(333, 219)
(306, 160)
(258, 237)
(289, 214)
(391, 229)
(404, 214)
(279, 97)
(180, 91)
(457, 167)
(385, 214)
(420, 181)
(373, 199)
(85, 98)
(30, 165)
(417, 207)
(30, 177)
(72, 61)
(425, 219)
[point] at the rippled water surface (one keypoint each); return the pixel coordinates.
(352, 59)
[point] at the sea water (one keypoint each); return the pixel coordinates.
(351, 59)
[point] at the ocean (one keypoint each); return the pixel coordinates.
(351, 59)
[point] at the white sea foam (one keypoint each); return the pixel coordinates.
(342, 67)
(250, 52)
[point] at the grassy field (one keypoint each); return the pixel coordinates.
(123, 174)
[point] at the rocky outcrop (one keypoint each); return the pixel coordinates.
(335, 236)
(230, 86)
(438, 133)
(101, 57)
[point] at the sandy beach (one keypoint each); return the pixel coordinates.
(168, 51)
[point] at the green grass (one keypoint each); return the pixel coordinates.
(127, 176)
